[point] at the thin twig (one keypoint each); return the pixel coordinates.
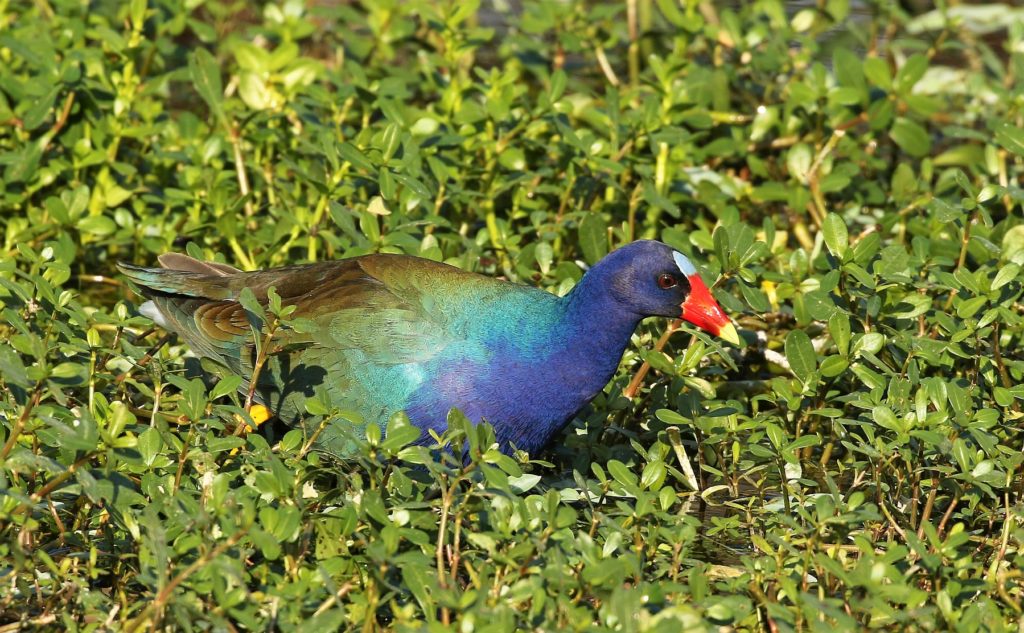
(62, 120)
(929, 504)
(51, 485)
(31, 624)
(147, 357)
(633, 51)
(261, 359)
(181, 458)
(243, 179)
(165, 594)
(606, 67)
(333, 600)
(312, 438)
(634, 385)
(684, 461)
(817, 208)
(19, 425)
(946, 516)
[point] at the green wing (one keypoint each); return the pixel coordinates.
(367, 314)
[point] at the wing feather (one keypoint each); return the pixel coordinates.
(375, 307)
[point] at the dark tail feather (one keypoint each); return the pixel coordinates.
(177, 282)
(177, 261)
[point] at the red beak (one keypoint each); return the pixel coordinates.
(701, 309)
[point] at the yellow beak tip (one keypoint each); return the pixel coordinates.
(728, 333)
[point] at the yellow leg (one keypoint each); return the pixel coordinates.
(259, 414)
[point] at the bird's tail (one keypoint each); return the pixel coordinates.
(164, 281)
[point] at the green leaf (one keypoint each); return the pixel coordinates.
(653, 475)
(221, 444)
(798, 161)
(833, 366)
(621, 473)
(205, 74)
(877, 71)
(800, 354)
(804, 441)
(963, 455)
(254, 309)
(755, 298)
(904, 183)
(1010, 137)
(149, 445)
(968, 308)
(42, 107)
(777, 436)
(1013, 244)
(670, 9)
(523, 483)
(255, 92)
(910, 73)
(593, 240)
(227, 385)
(558, 81)
(69, 374)
(1005, 275)
(849, 69)
(99, 225)
(400, 433)
(350, 153)
(911, 137)
(884, 417)
(836, 237)
(390, 141)
(839, 328)
(137, 12)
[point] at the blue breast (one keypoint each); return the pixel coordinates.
(528, 371)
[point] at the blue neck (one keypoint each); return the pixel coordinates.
(594, 331)
(597, 331)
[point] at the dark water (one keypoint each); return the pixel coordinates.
(721, 548)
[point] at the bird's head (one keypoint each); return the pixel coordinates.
(652, 279)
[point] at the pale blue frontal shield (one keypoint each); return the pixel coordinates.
(684, 264)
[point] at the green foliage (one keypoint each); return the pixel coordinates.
(849, 174)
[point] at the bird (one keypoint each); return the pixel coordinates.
(389, 333)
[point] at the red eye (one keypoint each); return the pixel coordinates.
(667, 281)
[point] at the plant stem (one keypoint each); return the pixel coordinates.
(634, 43)
(684, 461)
(156, 607)
(19, 425)
(638, 378)
(243, 178)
